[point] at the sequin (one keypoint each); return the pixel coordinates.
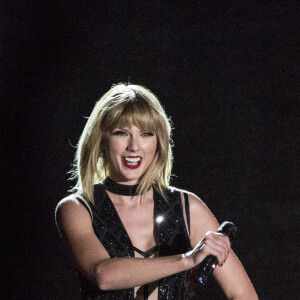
(170, 234)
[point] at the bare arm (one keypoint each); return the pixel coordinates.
(93, 261)
(107, 273)
(230, 273)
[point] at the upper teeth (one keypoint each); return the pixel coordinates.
(133, 160)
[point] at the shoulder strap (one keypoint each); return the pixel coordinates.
(85, 204)
(187, 209)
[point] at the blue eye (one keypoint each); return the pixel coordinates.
(147, 134)
(119, 132)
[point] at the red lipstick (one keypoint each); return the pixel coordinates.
(129, 165)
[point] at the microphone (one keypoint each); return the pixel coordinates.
(207, 266)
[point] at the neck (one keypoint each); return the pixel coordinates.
(120, 189)
(121, 194)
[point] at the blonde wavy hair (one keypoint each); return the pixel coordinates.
(123, 105)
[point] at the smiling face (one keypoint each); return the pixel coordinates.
(130, 151)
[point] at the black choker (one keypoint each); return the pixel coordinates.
(120, 189)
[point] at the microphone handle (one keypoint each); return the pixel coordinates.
(207, 266)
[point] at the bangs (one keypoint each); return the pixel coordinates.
(123, 106)
(137, 113)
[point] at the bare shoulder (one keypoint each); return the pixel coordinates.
(200, 210)
(202, 219)
(70, 214)
(75, 227)
(68, 206)
(231, 276)
(196, 202)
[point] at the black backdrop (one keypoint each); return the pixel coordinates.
(225, 73)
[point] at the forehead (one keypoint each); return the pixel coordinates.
(142, 117)
(140, 122)
(131, 128)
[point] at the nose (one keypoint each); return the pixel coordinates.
(133, 143)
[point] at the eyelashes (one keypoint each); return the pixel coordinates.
(147, 134)
(124, 133)
(119, 132)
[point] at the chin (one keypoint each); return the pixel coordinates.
(133, 178)
(127, 176)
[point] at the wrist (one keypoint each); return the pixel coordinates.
(188, 260)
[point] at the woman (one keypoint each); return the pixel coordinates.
(132, 236)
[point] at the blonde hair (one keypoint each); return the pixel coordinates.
(123, 105)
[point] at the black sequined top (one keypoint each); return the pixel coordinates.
(171, 237)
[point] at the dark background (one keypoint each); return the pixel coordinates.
(225, 73)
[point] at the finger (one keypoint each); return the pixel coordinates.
(218, 245)
(220, 239)
(227, 240)
(217, 249)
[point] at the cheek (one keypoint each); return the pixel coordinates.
(113, 149)
(115, 146)
(152, 147)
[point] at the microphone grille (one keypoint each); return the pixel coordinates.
(229, 229)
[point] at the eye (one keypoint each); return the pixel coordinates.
(145, 134)
(119, 132)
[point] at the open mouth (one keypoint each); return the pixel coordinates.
(132, 162)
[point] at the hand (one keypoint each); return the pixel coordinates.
(213, 243)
